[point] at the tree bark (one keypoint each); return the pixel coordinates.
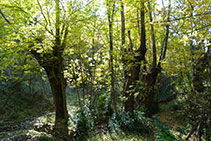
(54, 67)
(150, 81)
(153, 37)
(151, 77)
(57, 83)
(131, 78)
(122, 12)
(110, 22)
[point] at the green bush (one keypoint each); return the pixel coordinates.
(83, 122)
(163, 133)
(135, 122)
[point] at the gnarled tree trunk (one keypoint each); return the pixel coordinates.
(54, 67)
(135, 64)
(151, 77)
(57, 83)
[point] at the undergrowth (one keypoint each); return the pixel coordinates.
(163, 133)
(128, 122)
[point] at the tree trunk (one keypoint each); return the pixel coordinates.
(151, 77)
(54, 68)
(131, 77)
(55, 74)
(135, 63)
(123, 40)
(122, 12)
(57, 83)
(150, 81)
(110, 21)
(53, 64)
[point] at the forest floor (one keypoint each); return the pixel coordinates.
(20, 131)
(29, 129)
(172, 121)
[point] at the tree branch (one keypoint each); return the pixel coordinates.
(165, 41)
(44, 18)
(153, 37)
(4, 17)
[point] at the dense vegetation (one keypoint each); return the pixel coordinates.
(105, 70)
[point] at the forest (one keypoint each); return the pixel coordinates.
(104, 70)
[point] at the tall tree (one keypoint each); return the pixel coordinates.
(151, 77)
(53, 63)
(123, 41)
(134, 65)
(110, 13)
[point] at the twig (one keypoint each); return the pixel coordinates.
(4, 17)
(41, 10)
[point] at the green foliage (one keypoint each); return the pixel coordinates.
(166, 88)
(83, 122)
(174, 105)
(102, 105)
(163, 133)
(86, 57)
(198, 109)
(135, 122)
(23, 94)
(46, 138)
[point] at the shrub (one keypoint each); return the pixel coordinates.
(163, 133)
(83, 122)
(128, 122)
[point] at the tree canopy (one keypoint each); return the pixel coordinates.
(112, 59)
